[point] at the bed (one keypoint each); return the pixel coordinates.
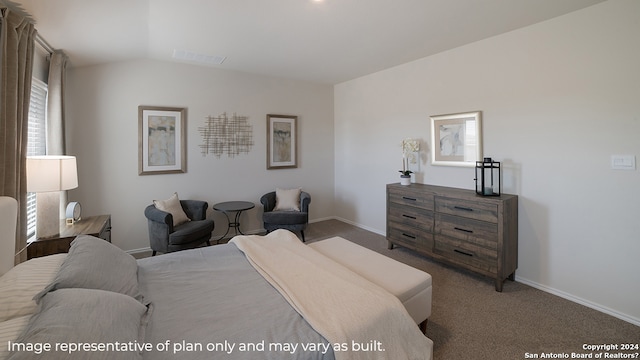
(218, 302)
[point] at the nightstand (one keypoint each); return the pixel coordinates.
(98, 226)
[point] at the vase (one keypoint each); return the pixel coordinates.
(405, 179)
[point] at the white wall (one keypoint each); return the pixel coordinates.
(558, 99)
(102, 131)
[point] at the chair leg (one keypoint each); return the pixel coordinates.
(302, 233)
(153, 253)
(208, 243)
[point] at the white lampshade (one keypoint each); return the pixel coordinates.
(47, 176)
(51, 173)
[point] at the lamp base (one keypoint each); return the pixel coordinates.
(47, 214)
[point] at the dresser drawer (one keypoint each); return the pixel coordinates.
(480, 233)
(411, 216)
(411, 198)
(468, 209)
(466, 253)
(409, 236)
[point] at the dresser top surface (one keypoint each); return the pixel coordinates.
(449, 191)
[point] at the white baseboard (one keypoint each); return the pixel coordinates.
(322, 219)
(379, 232)
(581, 301)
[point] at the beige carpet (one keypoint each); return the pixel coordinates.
(470, 320)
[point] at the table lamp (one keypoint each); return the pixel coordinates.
(47, 176)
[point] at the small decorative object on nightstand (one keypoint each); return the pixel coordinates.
(73, 213)
(488, 177)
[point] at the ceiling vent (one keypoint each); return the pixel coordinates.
(199, 58)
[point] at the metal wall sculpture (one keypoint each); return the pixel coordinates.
(223, 134)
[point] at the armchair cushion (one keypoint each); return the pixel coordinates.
(285, 217)
(189, 231)
(288, 199)
(172, 206)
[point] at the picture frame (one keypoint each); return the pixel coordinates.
(282, 141)
(456, 139)
(162, 140)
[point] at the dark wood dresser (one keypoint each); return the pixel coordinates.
(456, 226)
(98, 226)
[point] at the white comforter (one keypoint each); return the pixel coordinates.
(360, 319)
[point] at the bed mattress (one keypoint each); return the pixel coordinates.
(226, 321)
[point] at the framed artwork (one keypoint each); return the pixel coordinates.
(281, 141)
(457, 139)
(162, 140)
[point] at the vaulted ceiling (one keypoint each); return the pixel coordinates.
(328, 41)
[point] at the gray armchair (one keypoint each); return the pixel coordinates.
(289, 220)
(165, 237)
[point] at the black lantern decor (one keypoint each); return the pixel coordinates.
(488, 177)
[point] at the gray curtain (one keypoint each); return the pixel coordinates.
(17, 36)
(55, 112)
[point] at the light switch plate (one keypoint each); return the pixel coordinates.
(623, 162)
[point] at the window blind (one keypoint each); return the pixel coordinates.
(37, 140)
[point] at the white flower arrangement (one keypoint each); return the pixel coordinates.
(410, 148)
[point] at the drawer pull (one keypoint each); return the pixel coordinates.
(408, 198)
(462, 252)
(409, 236)
(409, 216)
(462, 208)
(464, 230)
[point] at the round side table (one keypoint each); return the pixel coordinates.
(233, 206)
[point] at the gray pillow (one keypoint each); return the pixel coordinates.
(96, 317)
(94, 263)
